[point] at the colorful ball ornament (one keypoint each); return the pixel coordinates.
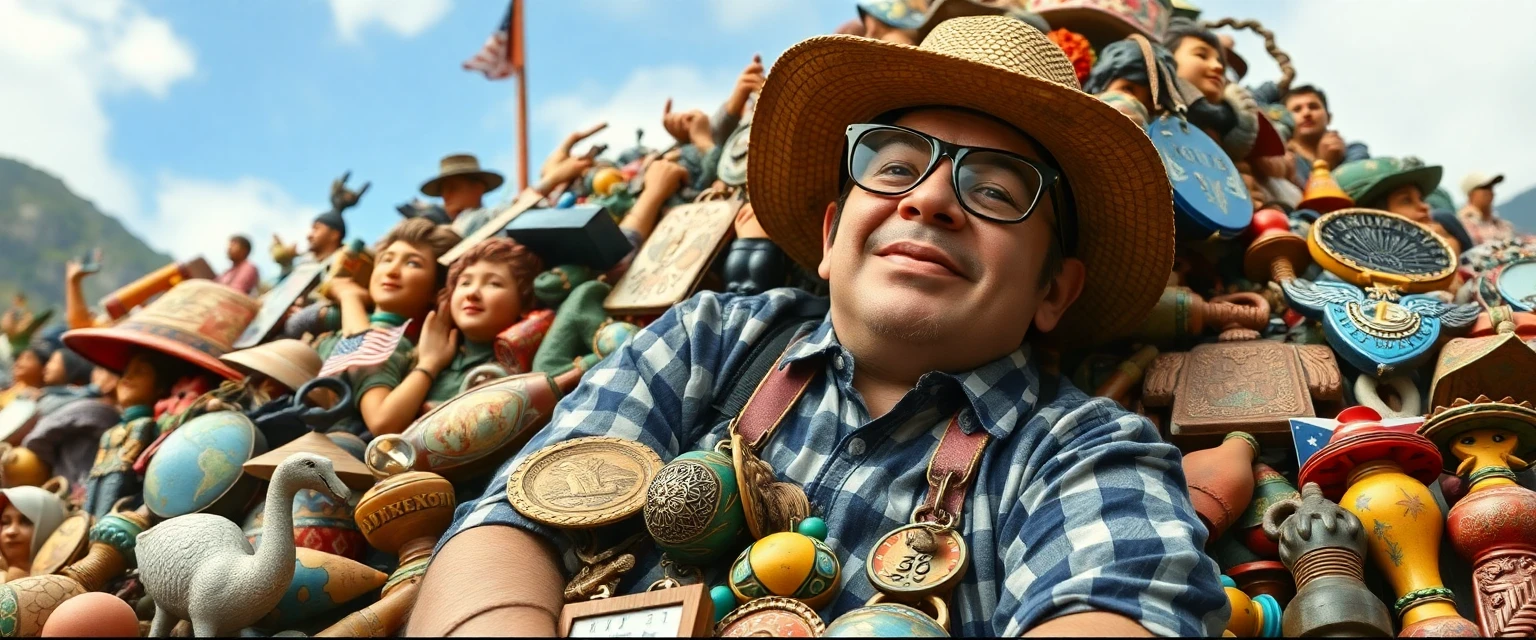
(605, 179)
(885, 620)
(786, 564)
(693, 508)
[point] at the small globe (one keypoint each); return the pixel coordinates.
(612, 336)
(786, 564)
(885, 620)
(200, 462)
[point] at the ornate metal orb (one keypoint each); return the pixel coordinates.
(693, 508)
(787, 564)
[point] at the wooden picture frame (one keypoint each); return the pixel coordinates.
(523, 202)
(607, 617)
(669, 266)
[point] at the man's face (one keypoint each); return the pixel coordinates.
(54, 373)
(1482, 198)
(918, 269)
(322, 238)
(28, 369)
(461, 193)
(237, 251)
(1201, 65)
(1310, 114)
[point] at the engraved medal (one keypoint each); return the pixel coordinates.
(583, 483)
(916, 561)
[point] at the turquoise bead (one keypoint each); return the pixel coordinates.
(724, 600)
(1272, 615)
(1228, 582)
(813, 527)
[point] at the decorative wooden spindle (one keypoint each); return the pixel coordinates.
(1379, 474)
(1494, 526)
(1276, 253)
(1323, 545)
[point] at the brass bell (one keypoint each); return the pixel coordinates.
(1323, 194)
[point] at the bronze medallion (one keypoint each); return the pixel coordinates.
(67, 544)
(583, 483)
(917, 561)
(771, 616)
(770, 506)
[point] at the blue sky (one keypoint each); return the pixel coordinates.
(192, 120)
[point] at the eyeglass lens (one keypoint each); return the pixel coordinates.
(990, 184)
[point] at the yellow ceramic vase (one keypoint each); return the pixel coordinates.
(1402, 524)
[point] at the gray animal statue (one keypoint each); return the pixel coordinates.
(200, 568)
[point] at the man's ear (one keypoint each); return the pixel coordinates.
(828, 219)
(1060, 294)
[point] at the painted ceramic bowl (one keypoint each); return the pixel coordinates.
(884, 620)
(198, 467)
(462, 435)
(693, 508)
(786, 564)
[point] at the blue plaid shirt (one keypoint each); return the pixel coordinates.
(1078, 505)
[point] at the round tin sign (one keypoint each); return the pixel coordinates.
(1517, 284)
(1208, 192)
(1366, 247)
(585, 482)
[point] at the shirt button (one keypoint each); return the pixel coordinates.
(856, 447)
(837, 362)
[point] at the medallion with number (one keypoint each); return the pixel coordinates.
(583, 483)
(771, 616)
(916, 561)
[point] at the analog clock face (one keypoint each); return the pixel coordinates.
(656, 622)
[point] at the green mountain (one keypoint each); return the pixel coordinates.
(43, 225)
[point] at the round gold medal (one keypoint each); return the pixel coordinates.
(1366, 247)
(583, 483)
(916, 561)
(771, 616)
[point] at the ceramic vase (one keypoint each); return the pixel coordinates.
(1220, 481)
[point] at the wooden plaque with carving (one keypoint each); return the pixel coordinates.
(1255, 386)
(679, 612)
(674, 259)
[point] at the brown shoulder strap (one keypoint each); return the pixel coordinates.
(950, 472)
(774, 397)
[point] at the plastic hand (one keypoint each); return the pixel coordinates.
(749, 82)
(664, 177)
(566, 170)
(438, 341)
(343, 198)
(688, 127)
(1331, 148)
(346, 288)
(563, 152)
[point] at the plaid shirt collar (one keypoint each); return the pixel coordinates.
(1001, 394)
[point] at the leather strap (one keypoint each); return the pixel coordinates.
(1160, 80)
(950, 470)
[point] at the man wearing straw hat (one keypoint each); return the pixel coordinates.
(461, 183)
(974, 203)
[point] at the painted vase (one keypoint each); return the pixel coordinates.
(319, 523)
(693, 508)
(321, 583)
(786, 564)
(27, 603)
(1380, 477)
(475, 430)
(1324, 547)
(1220, 481)
(885, 620)
(1269, 489)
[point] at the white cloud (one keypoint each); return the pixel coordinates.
(636, 104)
(1406, 80)
(404, 17)
(195, 217)
(736, 15)
(57, 60)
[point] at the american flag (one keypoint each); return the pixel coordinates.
(366, 349)
(1312, 434)
(502, 55)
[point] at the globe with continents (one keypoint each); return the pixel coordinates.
(884, 620)
(198, 463)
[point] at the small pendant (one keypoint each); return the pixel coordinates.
(771, 616)
(917, 561)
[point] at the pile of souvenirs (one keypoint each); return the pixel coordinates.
(1344, 365)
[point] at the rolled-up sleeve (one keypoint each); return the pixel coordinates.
(1107, 525)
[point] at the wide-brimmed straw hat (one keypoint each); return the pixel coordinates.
(290, 362)
(460, 164)
(998, 66)
(196, 321)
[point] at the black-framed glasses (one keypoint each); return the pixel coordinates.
(991, 184)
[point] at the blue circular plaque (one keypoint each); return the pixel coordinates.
(1517, 284)
(1208, 192)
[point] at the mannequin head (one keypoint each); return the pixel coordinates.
(490, 288)
(406, 276)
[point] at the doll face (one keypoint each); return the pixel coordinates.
(137, 386)
(105, 381)
(1200, 64)
(28, 369)
(1408, 202)
(404, 279)
(53, 372)
(16, 538)
(485, 300)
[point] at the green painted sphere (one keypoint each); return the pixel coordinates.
(724, 600)
(693, 508)
(814, 527)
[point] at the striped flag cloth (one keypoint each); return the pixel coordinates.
(502, 55)
(367, 349)
(1312, 434)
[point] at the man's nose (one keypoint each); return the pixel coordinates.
(934, 201)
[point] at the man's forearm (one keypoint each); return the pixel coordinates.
(490, 580)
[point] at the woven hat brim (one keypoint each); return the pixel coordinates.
(289, 374)
(1425, 178)
(434, 188)
(1123, 197)
(110, 348)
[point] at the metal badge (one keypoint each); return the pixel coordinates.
(916, 561)
(1208, 191)
(1376, 330)
(583, 483)
(771, 616)
(1369, 247)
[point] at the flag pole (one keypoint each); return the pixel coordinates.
(518, 53)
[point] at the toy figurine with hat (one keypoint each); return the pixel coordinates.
(461, 183)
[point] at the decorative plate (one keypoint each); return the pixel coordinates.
(1367, 247)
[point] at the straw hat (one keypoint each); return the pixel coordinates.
(999, 66)
(461, 164)
(290, 362)
(196, 321)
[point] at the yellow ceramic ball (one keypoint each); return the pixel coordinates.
(605, 180)
(786, 564)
